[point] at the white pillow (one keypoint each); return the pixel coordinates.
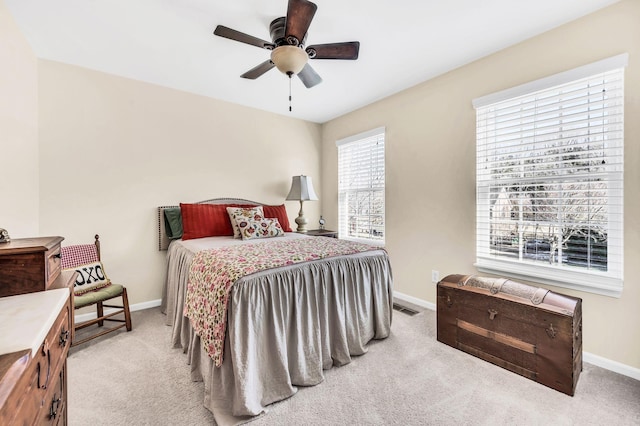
(235, 213)
(263, 228)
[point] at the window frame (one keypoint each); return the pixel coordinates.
(608, 283)
(353, 140)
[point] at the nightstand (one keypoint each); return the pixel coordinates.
(322, 233)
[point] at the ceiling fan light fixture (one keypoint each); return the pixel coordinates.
(289, 59)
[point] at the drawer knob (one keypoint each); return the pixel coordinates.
(55, 404)
(64, 336)
(46, 382)
(492, 313)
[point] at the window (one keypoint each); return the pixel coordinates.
(550, 179)
(361, 187)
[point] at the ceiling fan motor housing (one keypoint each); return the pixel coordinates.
(277, 31)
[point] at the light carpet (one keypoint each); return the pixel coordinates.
(409, 378)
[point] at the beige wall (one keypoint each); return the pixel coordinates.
(113, 149)
(18, 131)
(430, 160)
(109, 150)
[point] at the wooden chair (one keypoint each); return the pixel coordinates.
(83, 258)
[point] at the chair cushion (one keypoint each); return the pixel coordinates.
(100, 295)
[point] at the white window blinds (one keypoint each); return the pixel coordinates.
(361, 185)
(550, 184)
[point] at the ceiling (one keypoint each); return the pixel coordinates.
(171, 43)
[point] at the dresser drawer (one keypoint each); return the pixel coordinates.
(56, 344)
(53, 264)
(53, 404)
(22, 403)
(55, 347)
(28, 265)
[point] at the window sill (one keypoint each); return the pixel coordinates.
(594, 282)
(376, 243)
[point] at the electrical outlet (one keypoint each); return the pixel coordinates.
(435, 276)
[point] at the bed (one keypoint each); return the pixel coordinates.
(284, 325)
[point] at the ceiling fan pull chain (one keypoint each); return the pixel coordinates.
(289, 74)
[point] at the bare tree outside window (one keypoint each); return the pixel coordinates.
(554, 222)
(549, 179)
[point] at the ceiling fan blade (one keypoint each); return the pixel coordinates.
(299, 16)
(231, 34)
(309, 76)
(257, 71)
(346, 50)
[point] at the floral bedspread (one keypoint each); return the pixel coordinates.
(213, 272)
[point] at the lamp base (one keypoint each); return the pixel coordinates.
(302, 224)
(301, 221)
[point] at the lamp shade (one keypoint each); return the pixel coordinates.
(289, 59)
(302, 189)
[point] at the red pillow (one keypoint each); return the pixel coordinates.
(206, 220)
(280, 213)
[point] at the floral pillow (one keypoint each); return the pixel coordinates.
(237, 213)
(262, 228)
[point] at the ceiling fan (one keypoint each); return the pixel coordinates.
(287, 45)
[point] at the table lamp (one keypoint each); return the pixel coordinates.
(302, 190)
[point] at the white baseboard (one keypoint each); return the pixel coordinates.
(132, 308)
(596, 360)
(614, 366)
(414, 300)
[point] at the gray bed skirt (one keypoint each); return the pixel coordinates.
(284, 327)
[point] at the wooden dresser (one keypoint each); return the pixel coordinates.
(30, 264)
(34, 341)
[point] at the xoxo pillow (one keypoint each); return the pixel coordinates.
(90, 277)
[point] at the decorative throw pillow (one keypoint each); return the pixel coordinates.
(91, 276)
(173, 223)
(206, 220)
(237, 213)
(262, 228)
(280, 213)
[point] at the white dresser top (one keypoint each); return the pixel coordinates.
(25, 319)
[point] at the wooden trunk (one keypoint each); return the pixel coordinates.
(531, 331)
